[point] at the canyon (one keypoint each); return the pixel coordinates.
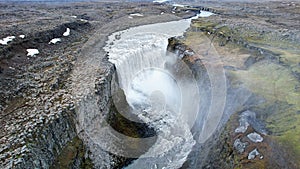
(206, 92)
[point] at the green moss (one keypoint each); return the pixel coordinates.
(73, 151)
(225, 31)
(290, 58)
(193, 38)
(268, 40)
(203, 25)
(276, 82)
(285, 126)
(121, 124)
(272, 81)
(277, 85)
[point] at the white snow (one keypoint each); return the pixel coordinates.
(162, 13)
(83, 20)
(67, 33)
(130, 17)
(22, 36)
(179, 5)
(136, 14)
(160, 1)
(205, 14)
(55, 40)
(74, 16)
(4, 41)
(32, 52)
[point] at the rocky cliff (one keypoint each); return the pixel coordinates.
(37, 111)
(42, 96)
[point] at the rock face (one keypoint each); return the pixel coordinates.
(248, 118)
(48, 143)
(37, 111)
(239, 146)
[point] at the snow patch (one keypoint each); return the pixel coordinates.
(160, 1)
(4, 41)
(205, 14)
(74, 16)
(67, 33)
(55, 40)
(179, 5)
(32, 52)
(83, 20)
(136, 14)
(22, 36)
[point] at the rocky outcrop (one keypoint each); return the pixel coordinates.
(37, 110)
(46, 144)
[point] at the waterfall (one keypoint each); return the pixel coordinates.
(162, 92)
(139, 52)
(159, 96)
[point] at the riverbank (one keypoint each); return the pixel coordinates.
(260, 55)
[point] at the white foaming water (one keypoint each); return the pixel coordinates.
(139, 55)
(147, 82)
(131, 55)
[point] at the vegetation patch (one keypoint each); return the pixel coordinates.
(274, 78)
(73, 155)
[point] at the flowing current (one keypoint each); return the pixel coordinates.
(162, 98)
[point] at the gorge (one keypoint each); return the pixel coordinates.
(161, 91)
(138, 85)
